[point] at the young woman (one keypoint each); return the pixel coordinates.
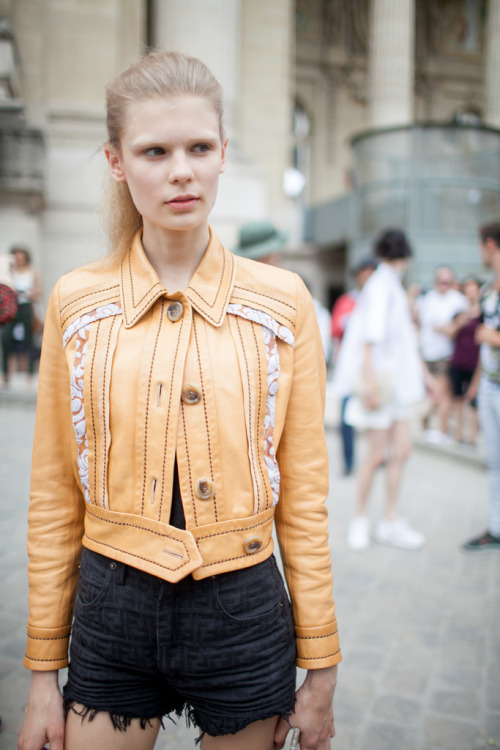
(379, 357)
(17, 336)
(462, 330)
(180, 411)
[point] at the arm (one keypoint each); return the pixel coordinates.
(302, 530)
(54, 537)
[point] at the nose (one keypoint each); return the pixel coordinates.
(180, 167)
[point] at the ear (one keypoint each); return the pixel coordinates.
(223, 157)
(115, 163)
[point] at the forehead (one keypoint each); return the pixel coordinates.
(161, 115)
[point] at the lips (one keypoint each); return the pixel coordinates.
(183, 201)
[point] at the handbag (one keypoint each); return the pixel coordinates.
(384, 386)
(8, 304)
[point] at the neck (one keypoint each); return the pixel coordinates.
(175, 256)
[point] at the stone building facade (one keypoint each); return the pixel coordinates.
(302, 79)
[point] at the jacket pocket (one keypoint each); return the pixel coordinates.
(251, 593)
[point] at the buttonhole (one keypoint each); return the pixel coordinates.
(158, 398)
(173, 554)
(153, 490)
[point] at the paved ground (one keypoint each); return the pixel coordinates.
(420, 631)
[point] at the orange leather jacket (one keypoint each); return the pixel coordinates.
(227, 377)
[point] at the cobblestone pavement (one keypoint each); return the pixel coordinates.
(420, 631)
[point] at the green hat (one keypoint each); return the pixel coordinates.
(258, 239)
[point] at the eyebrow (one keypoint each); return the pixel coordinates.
(151, 140)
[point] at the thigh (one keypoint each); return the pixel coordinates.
(100, 733)
(378, 440)
(258, 735)
(400, 438)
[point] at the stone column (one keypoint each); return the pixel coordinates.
(492, 65)
(209, 30)
(391, 62)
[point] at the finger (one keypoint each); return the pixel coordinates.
(280, 733)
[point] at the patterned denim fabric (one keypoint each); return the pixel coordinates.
(222, 648)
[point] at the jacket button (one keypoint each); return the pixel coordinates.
(204, 489)
(253, 544)
(190, 394)
(175, 311)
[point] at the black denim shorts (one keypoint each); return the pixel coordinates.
(221, 649)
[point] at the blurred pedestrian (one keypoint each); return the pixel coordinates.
(261, 240)
(434, 312)
(341, 312)
(17, 336)
(380, 356)
(486, 383)
(462, 330)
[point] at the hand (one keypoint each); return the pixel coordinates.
(371, 396)
(313, 713)
(471, 392)
(487, 335)
(44, 717)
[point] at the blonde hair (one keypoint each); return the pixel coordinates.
(157, 74)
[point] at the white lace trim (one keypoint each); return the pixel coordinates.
(80, 329)
(99, 313)
(264, 319)
(271, 330)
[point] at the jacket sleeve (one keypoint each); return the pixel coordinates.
(301, 514)
(56, 510)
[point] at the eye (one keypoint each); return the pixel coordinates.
(201, 148)
(154, 151)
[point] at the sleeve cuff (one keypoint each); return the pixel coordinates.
(47, 650)
(318, 647)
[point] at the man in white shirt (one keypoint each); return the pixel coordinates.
(434, 312)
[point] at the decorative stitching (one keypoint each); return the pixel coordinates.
(236, 557)
(91, 388)
(232, 531)
(139, 557)
(315, 637)
(88, 294)
(262, 305)
(105, 311)
(113, 300)
(218, 288)
(32, 658)
(267, 296)
(144, 477)
(105, 432)
(51, 638)
(250, 423)
(168, 414)
(263, 319)
(316, 658)
(259, 390)
(190, 477)
(205, 412)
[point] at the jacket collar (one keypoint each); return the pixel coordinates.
(209, 290)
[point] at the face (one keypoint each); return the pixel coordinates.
(471, 291)
(363, 276)
(170, 156)
(443, 280)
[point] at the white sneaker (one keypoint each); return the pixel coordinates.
(435, 437)
(358, 533)
(399, 533)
